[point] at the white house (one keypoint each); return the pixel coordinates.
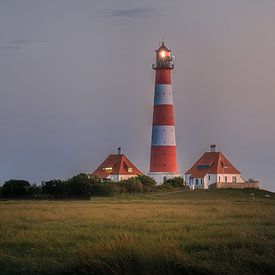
(214, 170)
(116, 167)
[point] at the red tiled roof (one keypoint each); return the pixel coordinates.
(212, 163)
(119, 164)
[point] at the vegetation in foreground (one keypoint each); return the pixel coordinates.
(183, 232)
(83, 186)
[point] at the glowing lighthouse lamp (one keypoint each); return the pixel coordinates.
(163, 161)
(162, 54)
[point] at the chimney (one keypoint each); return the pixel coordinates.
(119, 150)
(213, 148)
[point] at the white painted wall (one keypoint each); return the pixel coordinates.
(126, 177)
(161, 177)
(117, 178)
(210, 179)
(222, 177)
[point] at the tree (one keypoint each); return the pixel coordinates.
(15, 188)
(83, 185)
(55, 188)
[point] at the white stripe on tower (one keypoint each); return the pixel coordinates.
(163, 94)
(163, 135)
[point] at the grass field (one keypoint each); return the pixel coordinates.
(199, 232)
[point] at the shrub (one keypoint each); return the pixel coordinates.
(55, 188)
(82, 185)
(131, 185)
(16, 188)
(175, 182)
(148, 183)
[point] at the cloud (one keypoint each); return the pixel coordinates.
(18, 44)
(24, 41)
(10, 47)
(130, 13)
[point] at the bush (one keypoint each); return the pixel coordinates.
(131, 185)
(149, 184)
(82, 185)
(55, 188)
(175, 182)
(16, 188)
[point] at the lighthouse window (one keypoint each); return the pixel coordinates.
(163, 130)
(163, 93)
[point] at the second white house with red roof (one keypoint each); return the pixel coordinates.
(214, 170)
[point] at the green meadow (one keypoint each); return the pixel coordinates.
(178, 232)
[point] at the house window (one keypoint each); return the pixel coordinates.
(219, 179)
(209, 178)
(201, 181)
(234, 179)
(225, 179)
(130, 169)
(197, 182)
(107, 169)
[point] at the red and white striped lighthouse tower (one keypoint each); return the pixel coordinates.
(163, 161)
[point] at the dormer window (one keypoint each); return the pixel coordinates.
(203, 166)
(107, 169)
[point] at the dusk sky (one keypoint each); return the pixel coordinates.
(76, 82)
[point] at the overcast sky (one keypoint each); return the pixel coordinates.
(76, 82)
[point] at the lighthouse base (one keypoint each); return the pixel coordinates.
(161, 177)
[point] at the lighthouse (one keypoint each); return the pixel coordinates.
(163, 160)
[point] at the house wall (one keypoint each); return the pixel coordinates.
(194, 183)
(125, 177)
(222, 178)
(117, 178)
(211, 179)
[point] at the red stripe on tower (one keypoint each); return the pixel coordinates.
(163, 161)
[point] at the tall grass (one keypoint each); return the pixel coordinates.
(174, 233)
